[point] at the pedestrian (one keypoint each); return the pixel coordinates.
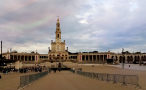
(54, 70)
(0, 76)
(129, 65)
(7, 71)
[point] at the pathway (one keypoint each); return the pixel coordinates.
(66, 80)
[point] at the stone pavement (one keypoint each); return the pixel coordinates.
(132, 66)
(66, 80)
(11, 81)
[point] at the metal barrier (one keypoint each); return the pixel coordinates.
(49, 70)
(74, 71)
(94, 75)
(104, 76)
(111, 77)
(27, 79)
(100, 76)
(124, 79)
(119, 78)
(131, 79)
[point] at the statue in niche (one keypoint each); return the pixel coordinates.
(58, 47)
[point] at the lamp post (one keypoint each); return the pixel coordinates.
(140, 59)
(123, 58)
(4, 64)
(10, 65)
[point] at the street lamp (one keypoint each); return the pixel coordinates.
(123, 58)
(140, 59)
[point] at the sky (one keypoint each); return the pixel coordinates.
(86, 25)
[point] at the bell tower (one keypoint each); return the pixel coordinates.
(58, 32)
(58, 47)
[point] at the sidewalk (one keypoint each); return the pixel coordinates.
(66, 80)
(132, 66)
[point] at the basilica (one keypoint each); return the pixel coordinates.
(58, 52)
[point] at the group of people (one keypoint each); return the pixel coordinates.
(22, 70)
(25, 70)
(59, 69)
(7, 70)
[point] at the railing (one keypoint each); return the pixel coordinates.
(72, 70)
(75, 69)
(115, 78)
(27, 79)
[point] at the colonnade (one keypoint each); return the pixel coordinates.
(129, 58)
(94, 57)
(72, 57)
(59, 57)
(23, 57)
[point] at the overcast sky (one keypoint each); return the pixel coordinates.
(86, 25)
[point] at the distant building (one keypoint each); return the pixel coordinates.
(59, 53)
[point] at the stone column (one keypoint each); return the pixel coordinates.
(117, 59)
(17, 57)
(81, 57)
(99, 58)
(31, 57)
(126, 59)
(92, 57)
(133, 57)
(13, 57)
(24, 57)
(96, 57)
(103, 57)
(20, 57)
(85, 57)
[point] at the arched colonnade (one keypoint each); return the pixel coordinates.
(129, 58)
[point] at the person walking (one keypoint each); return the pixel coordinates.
(0, 76)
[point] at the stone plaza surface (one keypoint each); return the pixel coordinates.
(66, 80)
(11, 81)
(132, 66)
(111, 69)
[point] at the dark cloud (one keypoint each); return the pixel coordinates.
(86, 25)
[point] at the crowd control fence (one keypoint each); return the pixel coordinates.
(27, 79)
(115, 78)
(72, 70)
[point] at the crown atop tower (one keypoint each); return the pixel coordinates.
(58, 18)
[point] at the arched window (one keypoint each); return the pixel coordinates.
(58, 35)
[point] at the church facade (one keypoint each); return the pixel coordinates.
(58, 52)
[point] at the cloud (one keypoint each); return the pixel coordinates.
(83, 22)
(86, 25)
